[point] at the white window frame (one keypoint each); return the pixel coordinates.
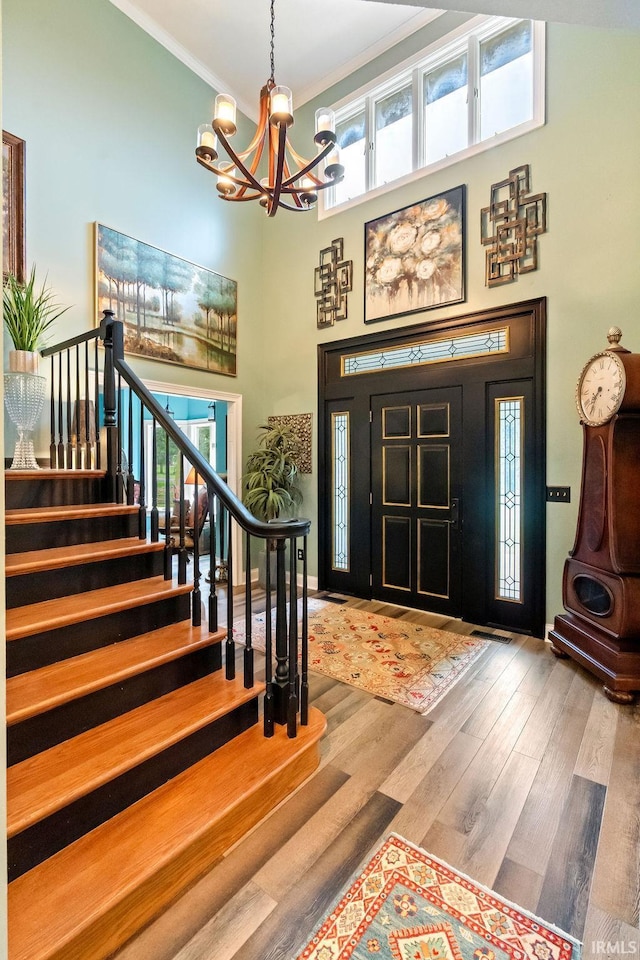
(466, 38)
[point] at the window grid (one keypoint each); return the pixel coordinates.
(431, 351)
(444, 52)
(509, 440)
(340, 492)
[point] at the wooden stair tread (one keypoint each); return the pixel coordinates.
(46, 473)
(85, 889)
(73, 511)
(37, 691)
(56, 557)
(53, 614)
(50, 780)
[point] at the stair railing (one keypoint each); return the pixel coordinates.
(89, 425)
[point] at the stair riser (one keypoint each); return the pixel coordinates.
(44, 731)
(27, 588)
(41, 841)
(66, 533)
(42, 491)
(38, 650)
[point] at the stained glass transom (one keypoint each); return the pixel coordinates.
(340, 491)
(509, 498)
(429, 351)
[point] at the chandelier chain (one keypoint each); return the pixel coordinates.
(272, 77)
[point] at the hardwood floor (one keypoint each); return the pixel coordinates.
(524, 776)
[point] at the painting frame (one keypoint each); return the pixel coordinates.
(173, 310)
(415, 257)
(13, 206)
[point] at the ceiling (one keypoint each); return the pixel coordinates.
(318, 42)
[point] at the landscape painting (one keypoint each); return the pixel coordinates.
(172, 310)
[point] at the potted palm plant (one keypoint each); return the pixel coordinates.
(28, 311)
(270, 480)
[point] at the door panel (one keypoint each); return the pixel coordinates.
(415, 537)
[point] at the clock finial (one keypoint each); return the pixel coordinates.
(614, 336)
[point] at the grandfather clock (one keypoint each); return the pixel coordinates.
(601, 582)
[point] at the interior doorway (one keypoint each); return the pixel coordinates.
(432, 467)
(228, 408)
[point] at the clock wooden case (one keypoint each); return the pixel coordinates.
(601, 581)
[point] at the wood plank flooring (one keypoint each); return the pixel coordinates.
(524, 777)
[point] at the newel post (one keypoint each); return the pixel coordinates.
(281, 679)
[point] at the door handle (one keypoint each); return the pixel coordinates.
(454, 515)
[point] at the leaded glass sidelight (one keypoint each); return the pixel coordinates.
(340, 491)
(509, 446)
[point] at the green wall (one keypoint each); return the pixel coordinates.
(109, 118)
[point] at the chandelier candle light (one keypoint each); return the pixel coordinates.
(291, 182)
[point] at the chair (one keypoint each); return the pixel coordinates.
(194, 522)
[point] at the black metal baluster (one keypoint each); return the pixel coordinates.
(230, 651)
(196, 608)
(69, 445)
(142, 496)
(268, 655)
(182, 549)
(304, 642)
(292, 706)
(214, 507)
(76, 415)
(88, 457)
(130, 479)
(96, 406)
(248, 648)
(168, 503)
(52, 419)
(60, 457)
(155, 522)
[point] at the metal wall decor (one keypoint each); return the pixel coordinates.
(333, 279)
(510, 227)
(301, 427)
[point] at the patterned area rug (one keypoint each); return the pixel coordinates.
(407, 663)
(407, 905)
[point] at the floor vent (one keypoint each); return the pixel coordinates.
(490, 636)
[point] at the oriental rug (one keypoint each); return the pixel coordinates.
(408, 905)
(404, 662)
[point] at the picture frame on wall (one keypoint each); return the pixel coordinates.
(13, 206)
(173, 310)
(415, 257)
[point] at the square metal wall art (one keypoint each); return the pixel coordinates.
(510, 227)
(333, 279)
(414, 257)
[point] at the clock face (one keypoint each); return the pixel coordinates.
(600, 388)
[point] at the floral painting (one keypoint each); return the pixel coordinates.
(172, 310)
(415, 257)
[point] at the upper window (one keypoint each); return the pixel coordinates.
(475, 88)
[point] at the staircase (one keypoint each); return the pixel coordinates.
(134, 764)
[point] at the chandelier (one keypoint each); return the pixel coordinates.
(292, 182)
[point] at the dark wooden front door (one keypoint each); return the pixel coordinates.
(432, 467)
(416, 486)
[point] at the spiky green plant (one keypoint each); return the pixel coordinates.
(271, 476)
(28, 312)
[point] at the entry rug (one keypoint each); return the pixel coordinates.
(408, 663)
(408, 905)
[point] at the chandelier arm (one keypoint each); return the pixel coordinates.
(274, 195)
(310, 164)
(249, 177)
(292, 193)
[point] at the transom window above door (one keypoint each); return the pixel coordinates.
(475, 88)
